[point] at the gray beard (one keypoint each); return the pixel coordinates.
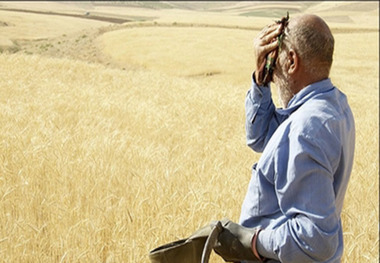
(283, 82)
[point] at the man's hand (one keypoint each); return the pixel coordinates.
(235, 243)
(263, 44)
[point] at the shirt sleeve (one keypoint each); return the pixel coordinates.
(304, 186)
(261, 116)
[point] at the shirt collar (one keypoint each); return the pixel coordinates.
(306, 93)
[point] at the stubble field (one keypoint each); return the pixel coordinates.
(118, 138)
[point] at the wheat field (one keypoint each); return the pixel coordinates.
(123, 138)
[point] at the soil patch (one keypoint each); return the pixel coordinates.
(5, 23)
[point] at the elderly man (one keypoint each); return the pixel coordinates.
(292, 209)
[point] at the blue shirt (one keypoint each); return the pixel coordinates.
(297, 187)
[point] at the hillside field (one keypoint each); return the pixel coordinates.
(122, 124)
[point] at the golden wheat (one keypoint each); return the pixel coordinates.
(92, 167)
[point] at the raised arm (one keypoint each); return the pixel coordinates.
(262, 118)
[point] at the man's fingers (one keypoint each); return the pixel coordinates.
(265, 43)
(268, 29)
(268, 48)
(264, 50)
(271, 34)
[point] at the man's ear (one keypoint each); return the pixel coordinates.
(293, 62)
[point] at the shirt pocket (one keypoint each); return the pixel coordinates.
(261, 200)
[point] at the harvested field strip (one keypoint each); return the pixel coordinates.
(118, 20)
(84, 16)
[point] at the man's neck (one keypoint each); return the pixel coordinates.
(305, 80)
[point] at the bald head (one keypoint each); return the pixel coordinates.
(313, 41)
(312, 21)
